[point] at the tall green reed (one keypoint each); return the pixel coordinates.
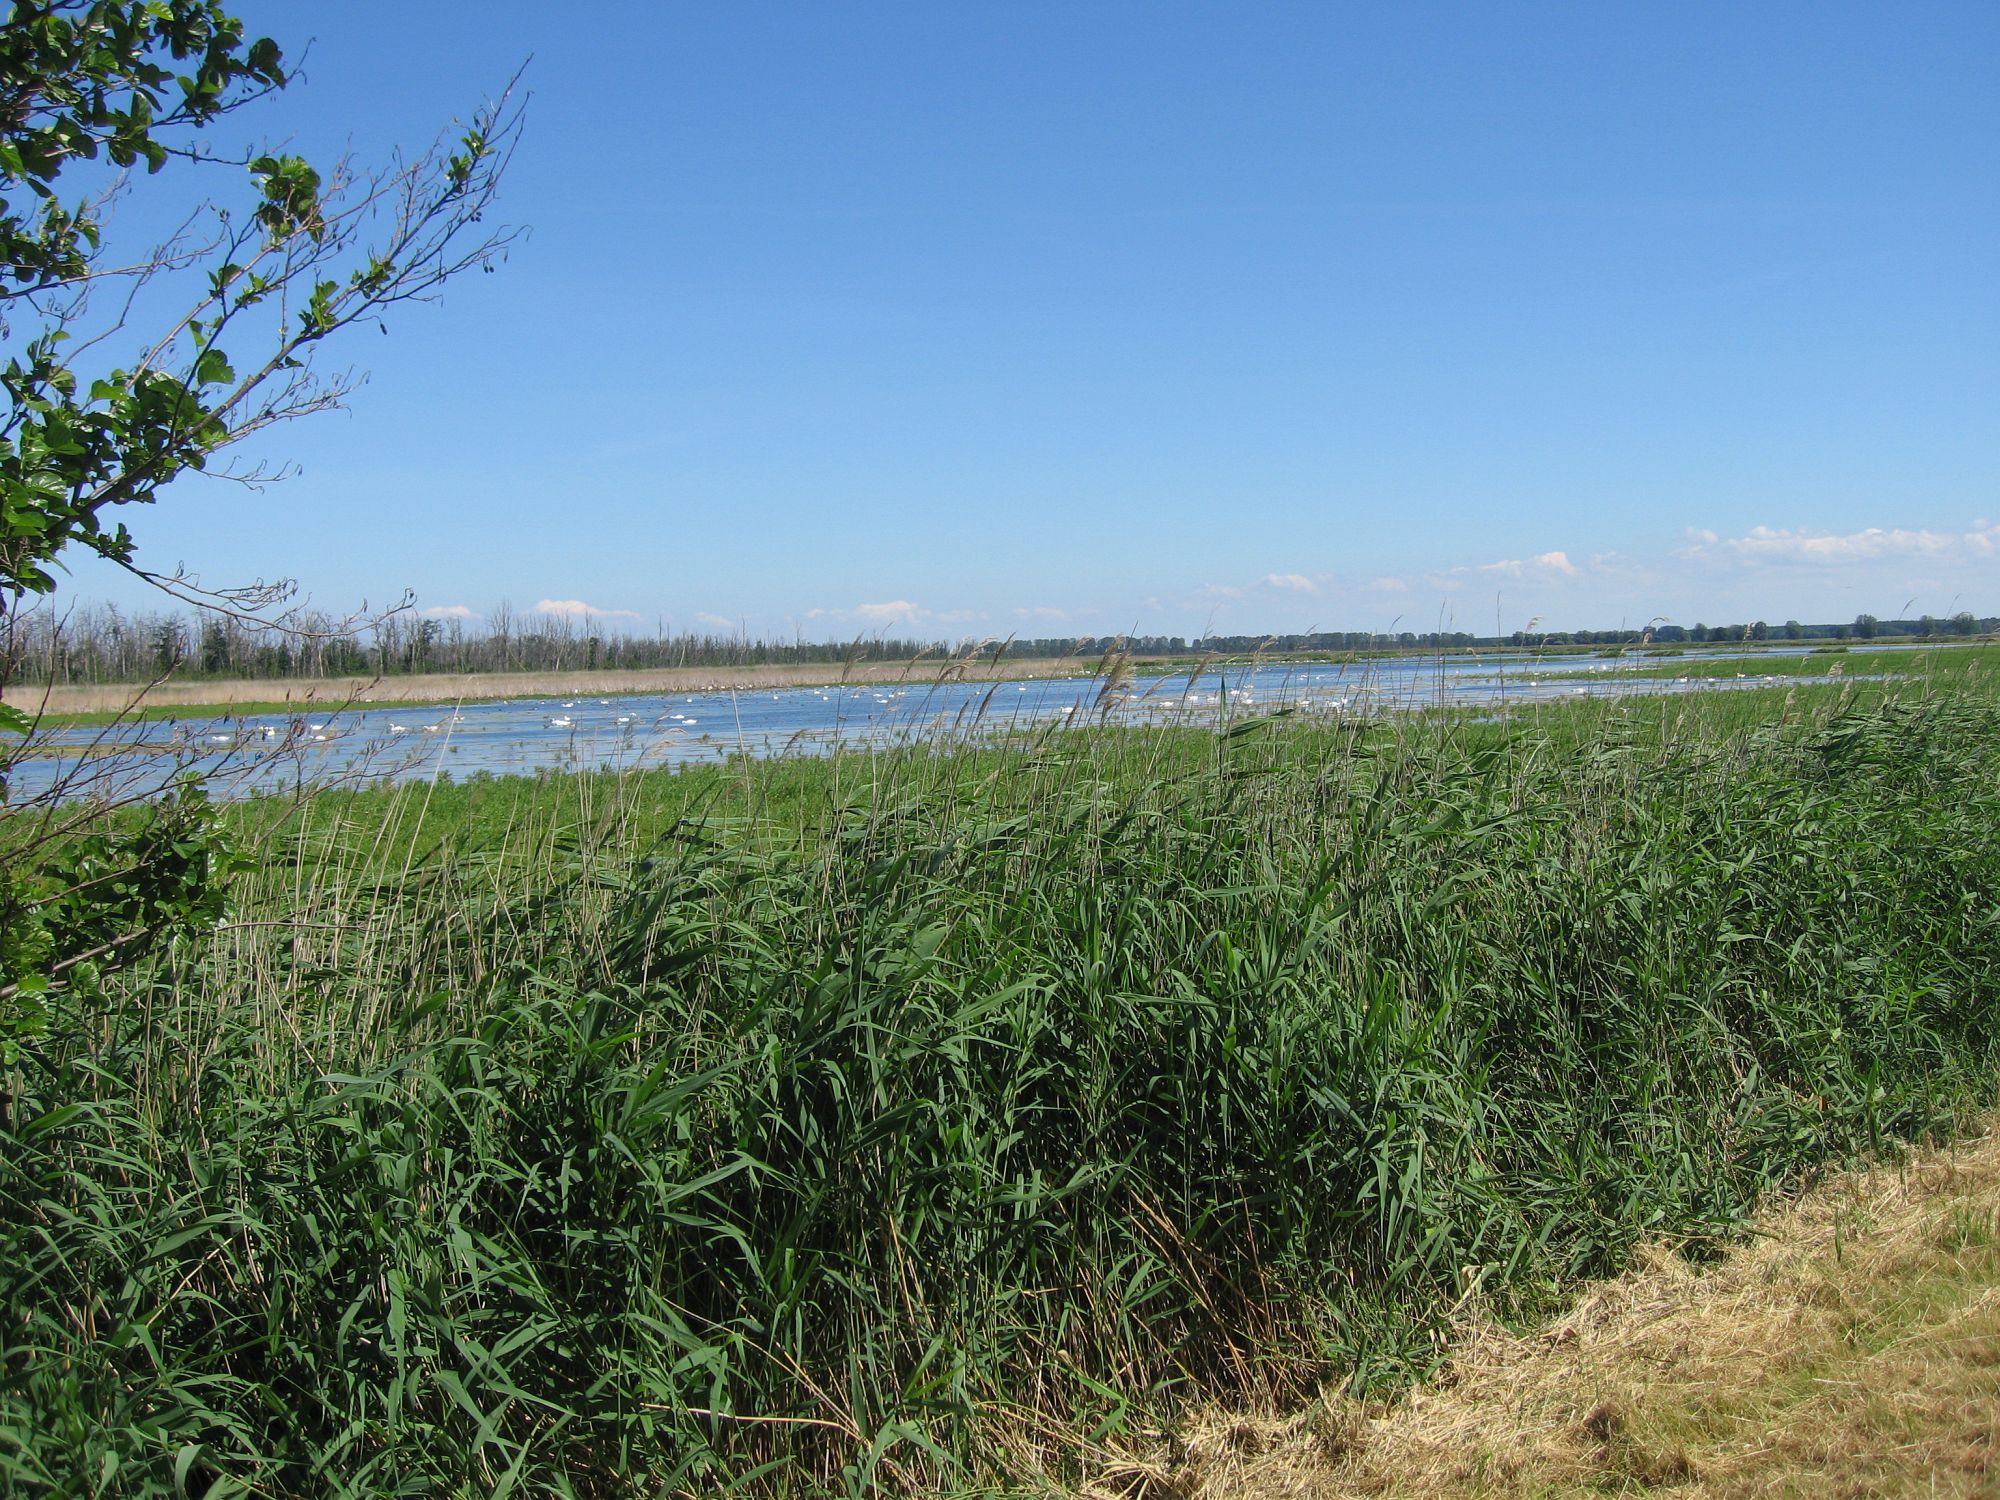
(917, 1121)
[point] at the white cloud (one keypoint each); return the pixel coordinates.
(1831, 547)
(889, 612)
(1041, 612)
(894, 609)
(449, 612)
(1219, 591)
(1297, 581)
(1388, 585)
(1812, 548)
(717, 622)
(1514, 567)
(576, 609)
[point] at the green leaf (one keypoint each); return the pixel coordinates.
(213, 368)
(184, 1462)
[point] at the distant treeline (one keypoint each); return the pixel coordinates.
(1861, 628)
(102, 644)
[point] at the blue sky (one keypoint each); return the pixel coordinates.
(1064, 319)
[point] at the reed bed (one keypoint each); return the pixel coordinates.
(949, 1122)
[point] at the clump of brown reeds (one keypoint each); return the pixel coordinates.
(471, 687)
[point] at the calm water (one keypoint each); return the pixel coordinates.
(522, 736)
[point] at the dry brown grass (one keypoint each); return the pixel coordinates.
(453, 687)
(1851, 1349)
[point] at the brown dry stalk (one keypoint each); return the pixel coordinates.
(1851, 1348)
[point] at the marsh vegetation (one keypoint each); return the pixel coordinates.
(925, 1116)
(943, 1121)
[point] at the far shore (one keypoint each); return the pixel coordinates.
(169, 698)
(320, 694)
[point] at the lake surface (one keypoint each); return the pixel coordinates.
(369, 742)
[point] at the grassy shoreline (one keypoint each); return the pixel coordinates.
(1933, 665)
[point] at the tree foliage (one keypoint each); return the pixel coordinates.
(263, 281)
(124, 370)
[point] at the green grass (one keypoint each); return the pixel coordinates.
(924, 1121)
(1934, 666)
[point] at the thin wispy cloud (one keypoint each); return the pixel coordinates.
(893, 609)
(1756, 571)
(449, 612)
(1706, 571)
(1832, 548)
(577, 609)
(888, 612)
(1543, 563)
